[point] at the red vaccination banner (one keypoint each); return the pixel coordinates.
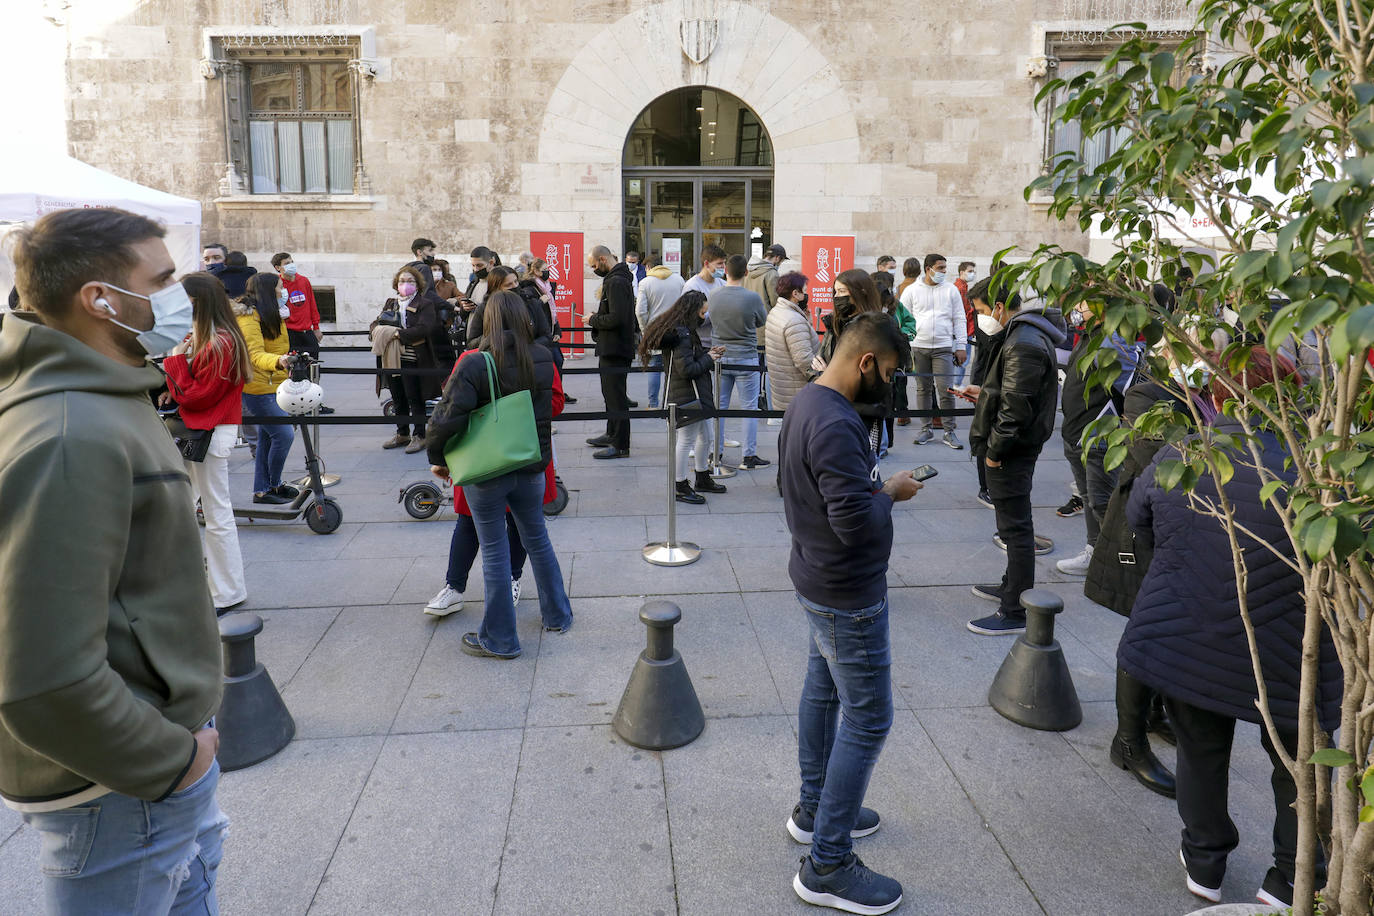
(563, 253)
(823, 258)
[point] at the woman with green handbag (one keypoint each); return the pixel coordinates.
(490, 434)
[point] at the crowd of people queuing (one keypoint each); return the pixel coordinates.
(132, 668)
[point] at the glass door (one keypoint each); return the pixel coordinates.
(689, 211)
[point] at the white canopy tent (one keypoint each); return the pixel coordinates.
(32, 186)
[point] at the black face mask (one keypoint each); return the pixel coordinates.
(481, 274)
(844, 307)
(544, 276)
(600, 271)
(428, 259)
(875, 390)
(804, 299)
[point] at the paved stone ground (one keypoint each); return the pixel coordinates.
(425, 781)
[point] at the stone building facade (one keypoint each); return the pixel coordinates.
(339, 130)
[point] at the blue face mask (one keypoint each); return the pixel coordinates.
(720, 273)
(172, 318)
(938, 278)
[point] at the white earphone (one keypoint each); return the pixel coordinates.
(104, 303)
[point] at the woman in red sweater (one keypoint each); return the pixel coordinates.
(205, 376)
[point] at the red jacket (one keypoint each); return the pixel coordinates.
(460, 503)
(969, 313)
(202, 386)
(300, 298)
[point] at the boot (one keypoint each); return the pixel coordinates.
(707, 484)
(685, 494)
(1157, 722)
(1130, 748)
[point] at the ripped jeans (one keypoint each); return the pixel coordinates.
(118, 854)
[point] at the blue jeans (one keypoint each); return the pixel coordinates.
(523, 492)
(848, 671)
(747, 383)
(655, 379)
(274, 441)
(462, 550)
(119, 854)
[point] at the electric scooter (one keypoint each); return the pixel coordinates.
(300, 396)
(423, 499)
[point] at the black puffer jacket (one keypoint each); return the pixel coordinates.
(467, 389)
(614, 326)
(1185, 637)
(1121, 557)
(1015, 413)
(691, 374)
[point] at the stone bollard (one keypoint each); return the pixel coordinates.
(1033, 687)
(659, 708)
(253, 721)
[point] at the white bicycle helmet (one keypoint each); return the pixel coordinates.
(299, 398)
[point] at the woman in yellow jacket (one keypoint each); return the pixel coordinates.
(260, 314)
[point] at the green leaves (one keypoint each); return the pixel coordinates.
(1161, 67)
(1319, 537)
(1331, 757)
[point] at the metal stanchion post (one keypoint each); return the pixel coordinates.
(671, 552)
(719, 469)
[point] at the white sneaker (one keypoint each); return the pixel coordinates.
(731, 443)
(515, 590)
(446, 602)
(1076, 566)
(775, 421)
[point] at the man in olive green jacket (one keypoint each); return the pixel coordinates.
(109, 651)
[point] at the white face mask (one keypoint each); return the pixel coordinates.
(290, 271)
(988, 325)
(970, 276)
(283, 309)
(938, 278)
(172, 318)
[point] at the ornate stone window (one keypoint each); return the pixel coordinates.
(291, 111)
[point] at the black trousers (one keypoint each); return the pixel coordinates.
(614, 392)
(1010, 489)
(1203, 774)
(303, 342)
(408, 398)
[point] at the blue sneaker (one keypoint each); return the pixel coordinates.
(851, 887)
(803, 822)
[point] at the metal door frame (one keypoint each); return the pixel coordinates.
(697, 175)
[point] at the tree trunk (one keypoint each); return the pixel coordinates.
(1304, 881)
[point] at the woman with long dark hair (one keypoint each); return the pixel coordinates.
(521, 365)
(205, 376)
(855, 293)
(259, 315)
(689, 387)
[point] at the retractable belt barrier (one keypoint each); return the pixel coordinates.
(571, 416)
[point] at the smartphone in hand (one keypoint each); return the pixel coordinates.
(923, 473)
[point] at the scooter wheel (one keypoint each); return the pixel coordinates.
(422, 500)
(560, 499)
(324, 517)
(389, 409)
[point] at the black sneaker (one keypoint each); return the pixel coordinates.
(851, 886)
(600, 441)
(803, 822)
(325, 411)
(1275, 891)
(282, 489)
(1071, 508)
(991, 593)
(270, 498)
(1210, 893)
(754, 461)
(1043, 545)
(985, 499)
(999, 624)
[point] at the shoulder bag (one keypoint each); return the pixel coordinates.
(501, 436)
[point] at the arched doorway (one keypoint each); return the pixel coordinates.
(697, 169)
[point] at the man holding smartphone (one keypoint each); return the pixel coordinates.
(1013, 420)
(840, 514)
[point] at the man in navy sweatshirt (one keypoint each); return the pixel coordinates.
(840, 514)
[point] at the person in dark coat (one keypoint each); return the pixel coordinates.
(520, 365)
(614, 328)
(1013, 419)
(422, 337)
(989, 333)
(1186, 639)
(690, 365)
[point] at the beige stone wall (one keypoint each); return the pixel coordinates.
(911, 129)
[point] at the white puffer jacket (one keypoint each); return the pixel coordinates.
(790, 343)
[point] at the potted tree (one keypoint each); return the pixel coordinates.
(1276, 94)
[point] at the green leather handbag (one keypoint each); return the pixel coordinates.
(501, 436)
